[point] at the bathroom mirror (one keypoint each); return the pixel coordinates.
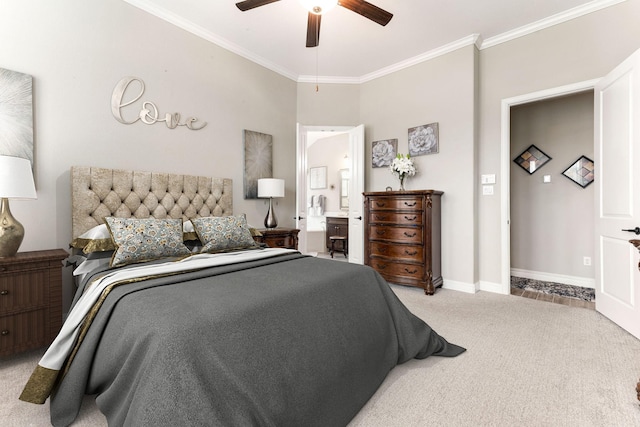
(344, 189)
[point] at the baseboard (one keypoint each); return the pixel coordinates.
(496, 288)
(469, 288)
(585, 282)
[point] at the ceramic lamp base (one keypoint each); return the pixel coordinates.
(11, 231)
(270, 220)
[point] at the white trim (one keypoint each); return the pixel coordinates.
(585, 282)
(576, 12)
(550, 21)
(496, 288)
(505, 163)
(469, 288)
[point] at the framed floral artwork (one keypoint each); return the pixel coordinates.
(383, 152)
(532, 159)
(581, 171)
(16, 114)
(423, 140)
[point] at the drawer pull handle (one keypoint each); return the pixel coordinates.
(410, 219)
(381, 217)
(410, 272)
(4, 292)
(380, 204)
(381, 266)
(382, 250)
(5, 332)
(412, 253)
(412, 204)
(380, 232)
(410, 235)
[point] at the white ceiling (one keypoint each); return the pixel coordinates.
(354, 49)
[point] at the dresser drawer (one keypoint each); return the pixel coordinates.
(412, 235)
(396, 203)
(23, 331)
(407, 218)
(398, 269)
(23, 291)
(400, 252)
(22, 267)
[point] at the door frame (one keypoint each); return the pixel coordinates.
(301, 178)
(505, 165)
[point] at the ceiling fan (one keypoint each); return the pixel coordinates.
(318, 7)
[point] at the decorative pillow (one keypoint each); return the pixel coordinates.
(139, 240)
(97, 239)
(223, 233)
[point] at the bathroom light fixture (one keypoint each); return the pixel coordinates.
(270, 187)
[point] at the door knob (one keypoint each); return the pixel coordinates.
(633, 230)
(298, 218)
(358, 217)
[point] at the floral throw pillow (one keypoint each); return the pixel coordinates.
(139, 240)
(223, 233)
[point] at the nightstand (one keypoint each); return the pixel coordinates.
(30, 300)
(279, 237)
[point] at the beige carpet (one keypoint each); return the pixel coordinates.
(528, 363)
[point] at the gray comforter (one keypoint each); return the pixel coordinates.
(288, 341)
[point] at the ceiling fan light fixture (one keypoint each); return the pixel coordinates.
(319, 7)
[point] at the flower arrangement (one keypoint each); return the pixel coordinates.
(402, 167)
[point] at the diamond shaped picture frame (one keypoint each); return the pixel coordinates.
(581, 171)
(532, 159)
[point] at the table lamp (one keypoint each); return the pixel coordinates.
(270, 187)
(16, 182)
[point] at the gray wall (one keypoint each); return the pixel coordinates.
(552, 225)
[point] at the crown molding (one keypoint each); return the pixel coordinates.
(476, 39)
(556, 19)
(189, 26)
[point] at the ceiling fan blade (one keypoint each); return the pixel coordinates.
(367, 10)
(313, 30)
(251, 4)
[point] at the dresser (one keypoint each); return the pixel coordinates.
(402, 237)
(279, 237)
(30, 300)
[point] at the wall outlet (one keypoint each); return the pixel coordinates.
(587, 260)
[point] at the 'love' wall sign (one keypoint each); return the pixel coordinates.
(149, 112)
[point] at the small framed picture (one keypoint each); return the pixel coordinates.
(532, 159)
(581, 171)
(383, 152)
(318, 178)
(423, 140)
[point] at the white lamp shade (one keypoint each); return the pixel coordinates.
(270, 187)
(16, 178)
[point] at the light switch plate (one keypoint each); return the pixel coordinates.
(488, 178)
(546, 179)
(487, 190)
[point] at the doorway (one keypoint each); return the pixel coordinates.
(507, 160)
(347, 179)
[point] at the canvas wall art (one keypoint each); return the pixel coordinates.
(383, 152)
(258, 163)
(16, 114)
(423, 140)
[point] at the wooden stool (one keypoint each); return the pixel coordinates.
(345, 244)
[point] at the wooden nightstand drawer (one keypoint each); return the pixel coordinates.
(278, 237)
(397, 234)
(30, 300)
(23, 331)
(25, 291)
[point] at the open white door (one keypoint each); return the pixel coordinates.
(356, 187)
(301, 185)
(617, 168)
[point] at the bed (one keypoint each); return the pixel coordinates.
(230, 333)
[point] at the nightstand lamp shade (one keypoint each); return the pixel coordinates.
(270, 187)
(16, 182)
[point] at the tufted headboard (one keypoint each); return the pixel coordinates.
(98, 192)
